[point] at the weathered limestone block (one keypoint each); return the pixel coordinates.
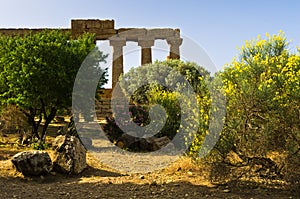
(161, 33)
(32, 163)
(103, 29)
(174, 47)
(132, 34)
(92, 23)
(70, 155)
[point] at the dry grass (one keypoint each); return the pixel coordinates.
(182, 175)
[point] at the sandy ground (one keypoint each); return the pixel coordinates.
(181, 179)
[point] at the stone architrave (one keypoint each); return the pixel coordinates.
(146, 44)
(174, 44)
(117, 44)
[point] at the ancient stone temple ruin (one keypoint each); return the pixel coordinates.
(105, 30)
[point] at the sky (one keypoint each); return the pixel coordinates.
(219, 27)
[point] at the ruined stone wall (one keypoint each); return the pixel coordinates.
(103, 106)
(103, 29)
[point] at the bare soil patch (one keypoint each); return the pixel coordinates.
(182, 179)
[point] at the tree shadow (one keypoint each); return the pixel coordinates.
(92, 171)
(73, 187)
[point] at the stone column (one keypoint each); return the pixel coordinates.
(117, 66)
(146, 45)
(174, 44)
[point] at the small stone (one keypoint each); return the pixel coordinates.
(213, 186)
(186, 195)
(153, 183)
(189, 173)
(142, 177)
(53, 173)
(226, 191)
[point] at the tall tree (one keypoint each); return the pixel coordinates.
(37, 73)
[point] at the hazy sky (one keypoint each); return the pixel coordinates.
(219, 27)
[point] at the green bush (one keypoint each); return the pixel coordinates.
(180, 116)
(262, 88)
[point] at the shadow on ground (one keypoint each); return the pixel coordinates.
(75, 187)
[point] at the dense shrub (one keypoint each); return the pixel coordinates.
(182, 114)
(138, 114)
(263, 89)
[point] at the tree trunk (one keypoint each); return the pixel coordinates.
(31, 120)
(48, 119)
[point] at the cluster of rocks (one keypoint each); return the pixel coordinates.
(146, 144)
(69, 158)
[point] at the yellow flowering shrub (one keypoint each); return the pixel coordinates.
(263, 92)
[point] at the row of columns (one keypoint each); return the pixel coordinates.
(118, 43)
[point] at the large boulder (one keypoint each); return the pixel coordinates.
(69, 155)
(32, 163)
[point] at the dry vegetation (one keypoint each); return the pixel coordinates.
(182, 179)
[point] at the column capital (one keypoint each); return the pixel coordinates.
(174, 41)
(146, 42)
(117, 41)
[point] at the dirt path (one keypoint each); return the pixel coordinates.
(180, 180)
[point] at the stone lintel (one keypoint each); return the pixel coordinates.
(161, 33)
(133, 34)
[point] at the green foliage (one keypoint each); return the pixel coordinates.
(168, 100)
(138, 114)
(37, 72)
(182, 115)
(40, 146)
(262, 87)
